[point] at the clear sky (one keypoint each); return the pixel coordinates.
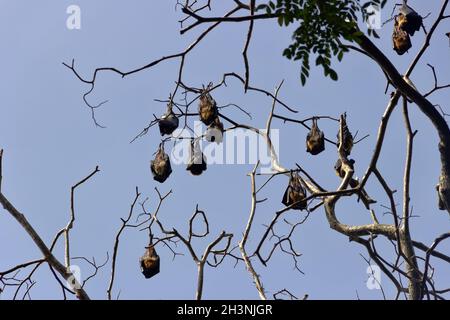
(51, 143)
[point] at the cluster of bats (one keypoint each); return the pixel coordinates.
(295, 195)
(160, 165)
(209, 115)
(161, 169)
(168, 123)
(406, 23)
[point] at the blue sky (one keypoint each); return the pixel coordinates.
(51, 143)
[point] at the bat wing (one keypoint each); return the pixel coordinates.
(286, 200)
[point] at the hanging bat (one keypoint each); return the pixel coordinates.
(214, 133)
(315, 140)
(400, 38)
(347, 137)
(150, 263)
(160, 166)
(168, 122)
(295, 193)
(197, 161)
(207, 108)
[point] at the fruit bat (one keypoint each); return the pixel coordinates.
(400, 38)
(214, 133)
(295, 193)
(197, 161)
(160, 166)
(315, 140)
(150, 263)
(207, 108)
(347, 137)
(409, 20)
(168, 122)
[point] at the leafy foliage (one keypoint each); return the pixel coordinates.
(322, 24)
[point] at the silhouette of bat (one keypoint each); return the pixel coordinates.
(168, 122)
(207, 108)
(197, 161)
(150, 263)
(160, 166)
(347, 137)
(295, 194)
(315, 140)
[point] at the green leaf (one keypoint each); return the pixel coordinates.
(303, 79)
(321, 25)
(333, 75)
(280, 20)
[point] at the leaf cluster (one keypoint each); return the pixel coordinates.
(322, 24)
